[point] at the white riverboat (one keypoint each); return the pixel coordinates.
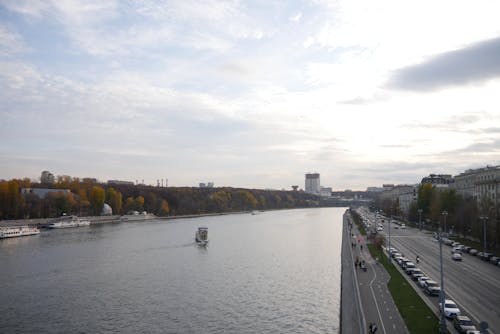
(17, 231)
(68, 221)
(201, 236)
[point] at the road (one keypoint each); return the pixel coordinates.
(473, 284)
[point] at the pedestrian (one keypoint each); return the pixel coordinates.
(370, 328)
(374, 329)
(361, 246)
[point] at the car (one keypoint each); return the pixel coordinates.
(416, 273)
(467, 249)
(451, 309)
(432, 288)
(396, 227)
(494, 259)
(480, 255)
(403, 262)
(472, 331)
(462, 324)
(396, 254)
(403, 226)
(456, 250)
(408, 266)
(473, 252)
(486, 256)
(422, 280)
(456, 257)
(380, 228)
(454, 244)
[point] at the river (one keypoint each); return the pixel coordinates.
(272, 272)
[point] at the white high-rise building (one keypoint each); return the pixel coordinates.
(312, 185)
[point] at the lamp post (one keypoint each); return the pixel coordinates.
(420, 219)
(485, 220)
(390, 255)
(441, 292)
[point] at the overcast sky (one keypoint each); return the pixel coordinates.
(249, 94)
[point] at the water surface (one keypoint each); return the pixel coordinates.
(273, 272)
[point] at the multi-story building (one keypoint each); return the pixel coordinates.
(482, 184)
(404, 194)
(47, 177)
(312, 185)
(438, 179)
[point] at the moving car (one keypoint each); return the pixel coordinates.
(473, 252)
(456, 257)
(451, 309)
(462, 323)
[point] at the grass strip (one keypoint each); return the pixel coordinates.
(418, 317)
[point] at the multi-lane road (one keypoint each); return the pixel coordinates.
(473, 284)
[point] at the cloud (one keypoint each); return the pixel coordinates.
(11, 43)
(477, 62)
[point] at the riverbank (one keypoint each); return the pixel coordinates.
(94, 220)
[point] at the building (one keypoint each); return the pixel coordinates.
(482, 184)
(42, 192)
(47, 177)
(312, 184)
(206, 185)
(119, 182)
(326, 191)
(403, 194)
(438, 179)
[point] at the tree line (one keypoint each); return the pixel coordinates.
(87, 197)
(464, 215)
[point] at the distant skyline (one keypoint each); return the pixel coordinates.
(249, 94)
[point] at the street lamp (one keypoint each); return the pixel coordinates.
(420, 219)
(485, 220)
(441, 292)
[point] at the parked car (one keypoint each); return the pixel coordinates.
(380, 228)
(416, 273)
(451, 309)
(462, 323)
(403, 226)
(472, 331)
(494, 259)
(454, 244)
(456, 257)
(432, 288)
(486, 256)
(408, 267)
(467, 249)
(456, 250)
(396, 227)
(422, 280)
(473, 252)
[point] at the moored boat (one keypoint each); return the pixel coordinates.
(68, 221)
(17, 231)
(201, 236)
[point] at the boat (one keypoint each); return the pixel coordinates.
(201, 236)
(17, 231)
(68, 221)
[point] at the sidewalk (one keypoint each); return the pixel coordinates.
(377, 305)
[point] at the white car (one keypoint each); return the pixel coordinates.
(451, 309)
(456, 257)
(422, 280)
(380, 228)
(403, 226)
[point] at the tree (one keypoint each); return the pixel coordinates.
(97, 197)
(129, 204)
(139, 203)
(114, 199)
(164, 209)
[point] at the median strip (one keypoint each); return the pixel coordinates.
(418, 317)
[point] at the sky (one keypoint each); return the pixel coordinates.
(249, 94)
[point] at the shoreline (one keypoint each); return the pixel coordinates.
(95, 220)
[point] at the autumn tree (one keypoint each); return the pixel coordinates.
(164, 208)
(114, 199)
(97, 197)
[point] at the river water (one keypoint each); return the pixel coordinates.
(273, 272)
